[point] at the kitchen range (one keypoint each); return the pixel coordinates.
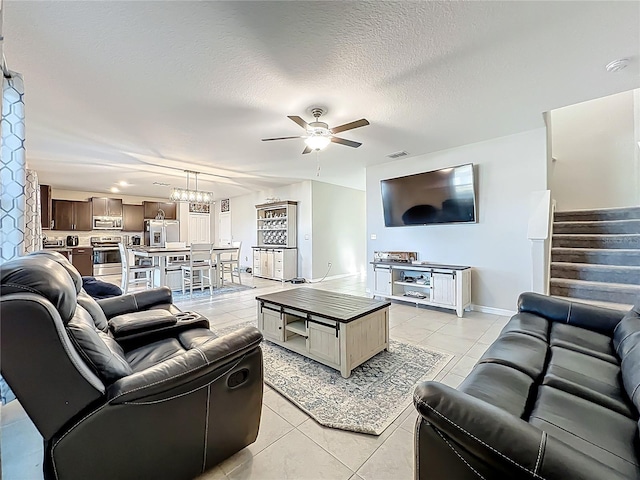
(106, 256)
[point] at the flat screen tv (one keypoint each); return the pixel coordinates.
(441, 196)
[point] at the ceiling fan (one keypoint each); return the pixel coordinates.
(319, 135)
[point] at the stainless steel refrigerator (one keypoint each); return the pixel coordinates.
(158, 232)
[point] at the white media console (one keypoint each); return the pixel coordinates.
(445, 286)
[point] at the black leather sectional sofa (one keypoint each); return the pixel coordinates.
(555, 397)
(126, 388)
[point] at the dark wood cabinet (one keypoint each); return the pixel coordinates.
(133, 218)
(45, 206)
(72, 215)
(82, 259)
(107, 207)
(151, 210)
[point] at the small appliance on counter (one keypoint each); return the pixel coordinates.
(135, 240)
(400, 257)
(52, 242)
(72, 241)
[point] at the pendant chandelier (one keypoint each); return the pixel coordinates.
(189, 195)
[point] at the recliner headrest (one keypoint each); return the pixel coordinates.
(64, 261)
(39, 274)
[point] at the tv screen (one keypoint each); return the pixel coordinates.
(441, 196)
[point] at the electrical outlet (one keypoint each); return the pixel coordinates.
(246, 259)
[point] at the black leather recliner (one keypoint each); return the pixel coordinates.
(555, 397)
(126, 388)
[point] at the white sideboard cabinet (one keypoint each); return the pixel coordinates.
(275, 256)
(445, 286)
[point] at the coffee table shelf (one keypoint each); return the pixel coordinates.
(298, 327)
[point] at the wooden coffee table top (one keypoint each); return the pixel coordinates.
(334, 306)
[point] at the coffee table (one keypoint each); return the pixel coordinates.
(337, 330)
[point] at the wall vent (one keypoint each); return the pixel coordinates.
(399, 154)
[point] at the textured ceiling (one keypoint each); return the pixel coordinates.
(138, 91)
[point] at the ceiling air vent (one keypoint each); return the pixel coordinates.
(399, 154)
(161, 184)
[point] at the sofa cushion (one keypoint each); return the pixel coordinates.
(598, 432)
(529, 324)
(588, 377)
(154, 353)
(499, 385)
(630, 367)
(520, 351)
(91, 306)
(625, 335)
(100, 350)
(46, 277)
(582, 340)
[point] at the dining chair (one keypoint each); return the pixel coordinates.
(230, 263)
(134, 274)
(199, 271)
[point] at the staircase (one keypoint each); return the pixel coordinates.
(595, 256)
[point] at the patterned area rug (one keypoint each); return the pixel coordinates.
(200, 294)
(368, 401)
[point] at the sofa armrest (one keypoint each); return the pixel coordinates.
(598, 319)
(191, 370)
(501, 442)
(135, 302)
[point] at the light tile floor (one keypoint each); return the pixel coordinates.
(290, 444)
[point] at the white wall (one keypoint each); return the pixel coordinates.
(508, 169)
(339, 229)
(595, 150)
(243, 222)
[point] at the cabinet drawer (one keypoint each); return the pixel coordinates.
(278, 255)
(278, 274)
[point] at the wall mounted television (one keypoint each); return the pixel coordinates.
(441, 196)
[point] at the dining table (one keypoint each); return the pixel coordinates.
(161, 254)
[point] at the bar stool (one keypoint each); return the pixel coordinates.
(230, 263)
(199, 269)
(130, 271)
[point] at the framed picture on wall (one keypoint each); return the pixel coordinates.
(224, 205)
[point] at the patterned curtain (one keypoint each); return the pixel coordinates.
(13, 180)
(33, 226)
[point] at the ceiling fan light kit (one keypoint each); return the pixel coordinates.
(319, 135)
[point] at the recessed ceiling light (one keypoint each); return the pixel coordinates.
(617, 65)
(114, 189)
(123, 183)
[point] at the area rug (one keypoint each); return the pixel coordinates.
(198, 294)
(375, 394)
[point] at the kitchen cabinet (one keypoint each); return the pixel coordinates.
(106, 207)
(132, 218)
(151, 210)
(45, 206)
(82, 259)
(72, 215)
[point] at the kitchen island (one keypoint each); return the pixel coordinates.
(162, 259)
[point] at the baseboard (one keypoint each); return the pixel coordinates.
(333, 277)
(492, 310)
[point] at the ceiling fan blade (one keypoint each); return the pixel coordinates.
(348, 143)
(299, 121)
(350, 126)
(279, 138)
(307, 150)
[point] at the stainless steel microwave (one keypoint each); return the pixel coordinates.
(107, 223)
